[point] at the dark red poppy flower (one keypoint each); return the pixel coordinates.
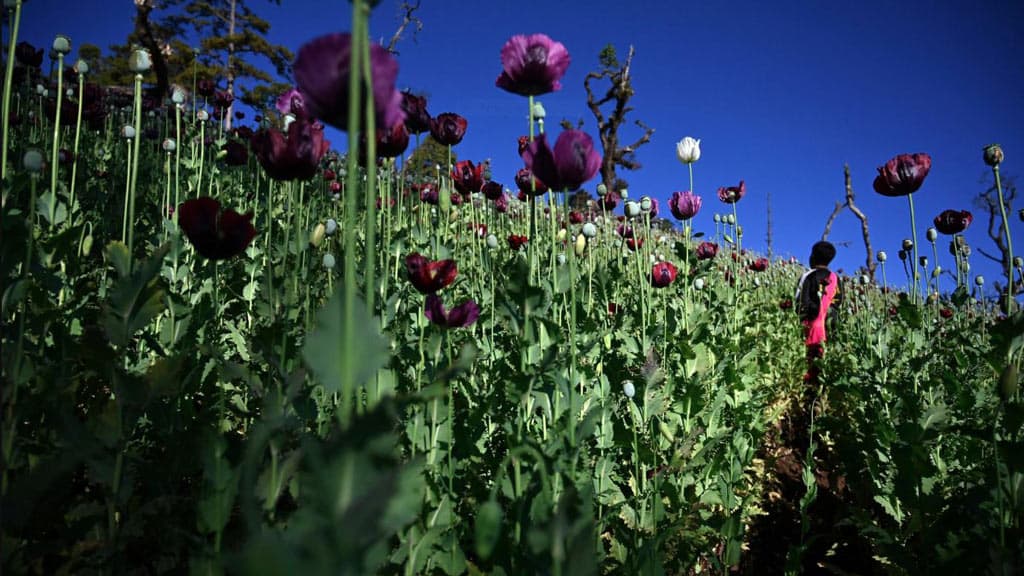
(429, 276)
(568, 165)
(528, 184)
(205, 87)
(243, 132)
(239, 115)
(663, 274)
(654, 208)
(707, 250)
(329, 175)
(460, 316)
(684, 205)
(380, 203)
(428, 193)
(492, 190)
(235, 153)
(610, 201)
(521, 196)
(946, 312)
(516, 241)
(903, 174)
(624, 231)
(417, 120)
(532, 65)
(448, 128)
(576, 217)
(501, 203)
(322, 71)
(953, 221)
(786, 304)
(456, 198)
(390, 143)
(478, 228)
(335, 186)
(759, 265)
(468, 177)
(613, 308)
(216, 234)
(635, 243)
(223, 99)
(732, 194)
(28, 55)
(296, 157)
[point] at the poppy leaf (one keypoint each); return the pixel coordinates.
(136, 299)
(325, 352)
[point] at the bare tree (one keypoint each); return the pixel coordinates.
(407, 10)
(989, 202)
(619, 91)
(870, 264)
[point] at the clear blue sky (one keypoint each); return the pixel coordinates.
(781, 94)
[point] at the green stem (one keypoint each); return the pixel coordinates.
(1009, 243)
(135, 168)
(56, 139)
(74, 153)
(914, 263)
(370, 259)
(8, 79)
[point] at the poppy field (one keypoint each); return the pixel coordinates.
(239, 351)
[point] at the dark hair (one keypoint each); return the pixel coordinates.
(822, 253)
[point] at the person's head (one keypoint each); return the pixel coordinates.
(822, 253)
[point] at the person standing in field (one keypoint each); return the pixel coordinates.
(817, 295)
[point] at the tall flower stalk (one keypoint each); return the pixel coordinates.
(8, 79)
(994, 157)
(902, 176)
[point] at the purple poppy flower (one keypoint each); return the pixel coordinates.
(707, 250)
(501, 203)
(532, 65)
(448, 128)
(902, 174)
(684, 205)
(291, 102)
(428, 193)
(572, 162)
(529, 184)
(295, 157)
(460, 316)
(417, 120)
(654, 208)
(321, 72)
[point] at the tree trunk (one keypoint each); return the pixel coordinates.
(228, 114)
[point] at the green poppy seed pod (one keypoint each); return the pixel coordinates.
(864, 279)
(40, 89)
(993, 155)
(933, 297)
(62, 44)
(698, 284)
(1018, 262)
(538, 111)
(965, 250)
(979, 280)
(202, 115)
(739, 231)
(881, 256)
(140, 61)
(717, 218)
(81, 67)
(923, 261)
(32, 161)
(1009, 382)
(589, 230)
(332, 226)
(70, 93)
(492, 241)
(87, 245)
(580, 245)
(908, 244)
(628, 388)
(128, 131)
(645, 203)
(966, 266)
(937, 271)
(624, 193)
(602, 189)
(730, 219)
(178, 94)
(316, 237)
(931, 234)
(329, 261)
(632, 209)
(169, 145)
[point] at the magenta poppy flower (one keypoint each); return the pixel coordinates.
(572, 162)
(903, 174)
(448, 128)
(684, 205)
(467, 177)
(528, 184)
(759, 265)
(296, 157)
(707, 250)
(322, 72)
(417, 120)
(532, 65)
(216, 234)
(654, 208)
(460, 316)
(663, 274)
(953, 221)
(428, 276)
(732, 194)
(291, 102)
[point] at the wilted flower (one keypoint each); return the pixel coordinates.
(216, 234)
(688, 150)
(580, 244)
(903, 174)
(684, 205)
(322, 74)
(296, 157)
(706, 250)
(532, 65)
(468, 177)
(572, 162)
(448, 128)
(732, 194)
(417, 120)
(429, 276)
(663, 274)
(460, 316)
(993, 155)
(953, 221)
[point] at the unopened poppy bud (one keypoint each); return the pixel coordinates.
(908, 244)
(62, 44)
(979, 280)
(169, 145)
(87, 245)
(492, 241)
(140, 61)
(580, 245)
(993, 154)
(628, 389)
(331, 227)
(739, 231)
(937, 271)
(329, 261)
(81, 66)
(177, 94)
(882, 256)
(730, 219)
(632, 209)
(317, 236)
(645, 203)
(128, 131)
(202, 115)
(32, 161)
(923, 261)
(931, 234)
(589, 230)
(717, 218)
